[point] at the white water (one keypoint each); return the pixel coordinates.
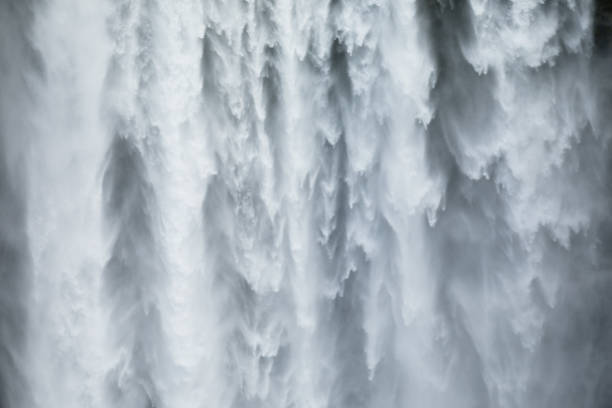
(290, 203)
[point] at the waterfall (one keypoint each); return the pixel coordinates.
(305, 203)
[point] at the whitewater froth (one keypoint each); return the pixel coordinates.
(289, 203)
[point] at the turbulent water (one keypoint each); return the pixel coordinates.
(305, 203)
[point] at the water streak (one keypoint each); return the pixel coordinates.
(290, 203)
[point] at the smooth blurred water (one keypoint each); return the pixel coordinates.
(291, 203)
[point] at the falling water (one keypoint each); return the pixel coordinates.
(305, 203)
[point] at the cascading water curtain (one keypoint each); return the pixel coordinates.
(305, 204)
